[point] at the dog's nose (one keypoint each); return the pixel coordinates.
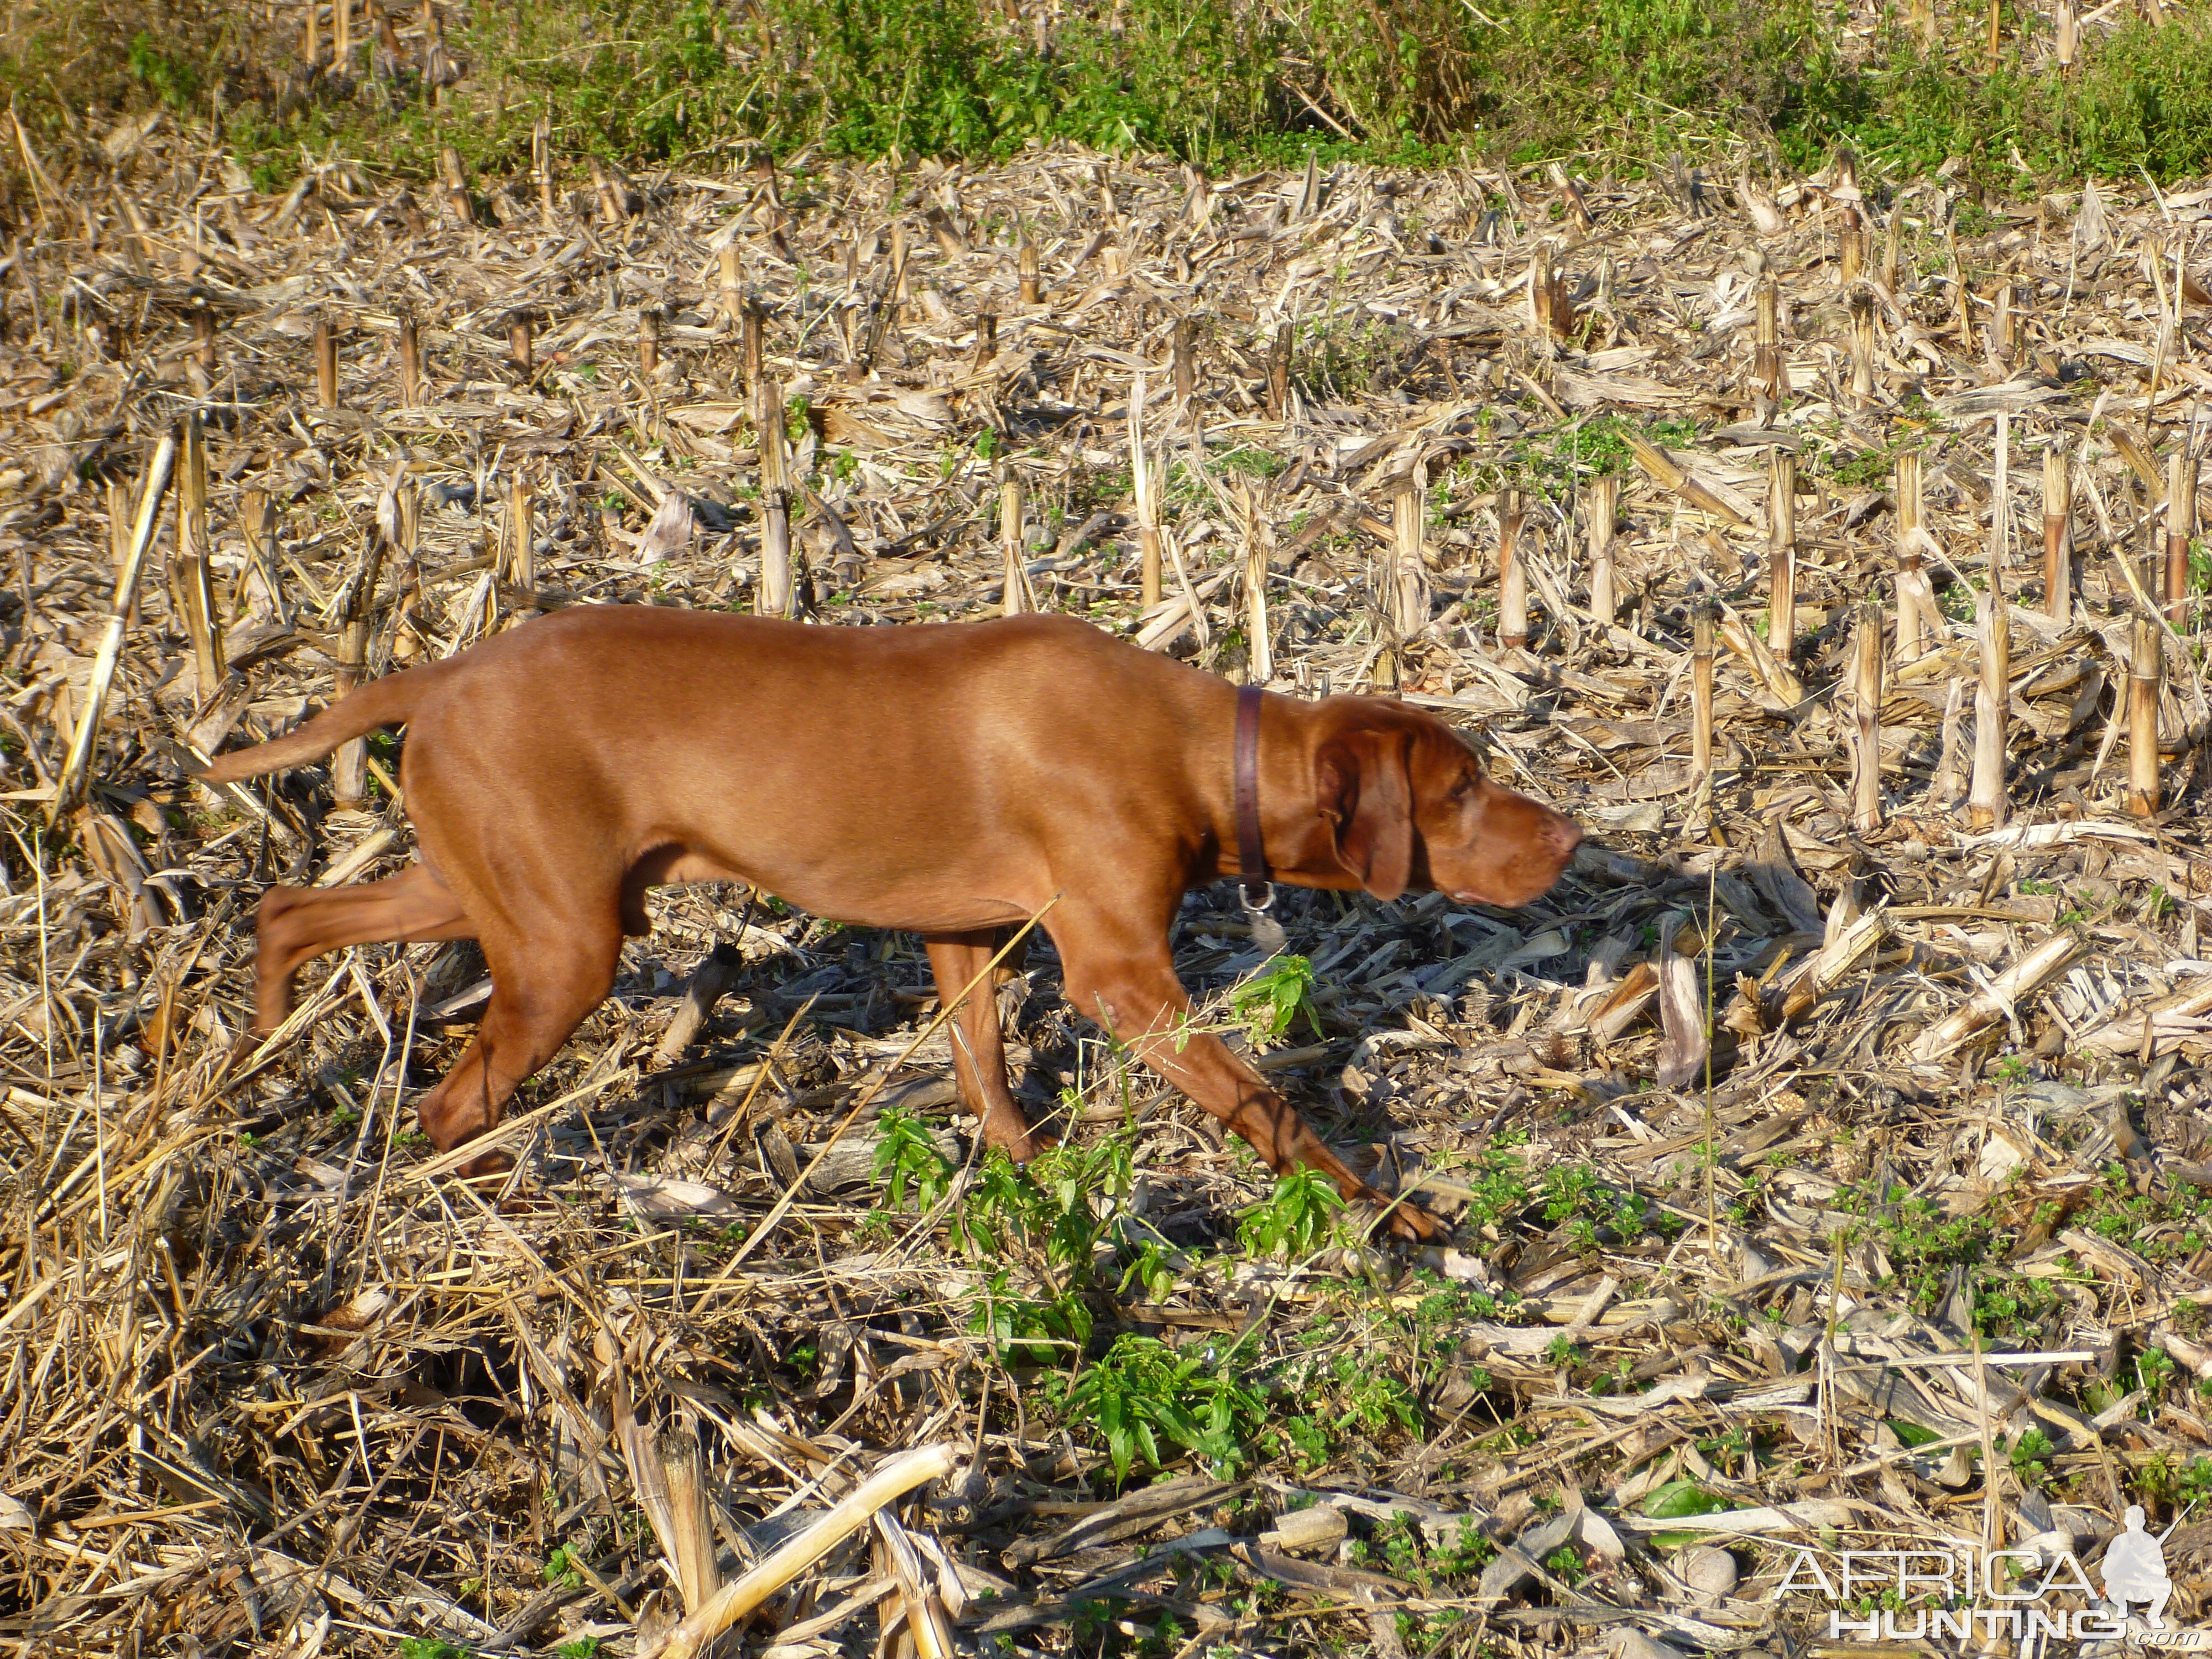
(1561, 834)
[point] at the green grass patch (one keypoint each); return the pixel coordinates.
(685, 81)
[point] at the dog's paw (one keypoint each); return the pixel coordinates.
(485, 1166)
(1020, 1144)
(1409, 1224)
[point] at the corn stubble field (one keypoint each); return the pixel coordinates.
(1825, 545)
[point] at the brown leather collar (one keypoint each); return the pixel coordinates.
(1251, 853)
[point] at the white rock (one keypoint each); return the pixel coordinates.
(1626, 1642)
(1711, 1572)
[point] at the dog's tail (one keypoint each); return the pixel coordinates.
(390, 701)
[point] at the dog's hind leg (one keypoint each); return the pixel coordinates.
(543, 984)
(298, 924)
(979, 1054)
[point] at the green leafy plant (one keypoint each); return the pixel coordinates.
(1499, 1188)
(1251, 459)
(1928, 1247)
(1143, 1394)
(1337, 354)
(2193, 1485)
(2031, 1453)
(561, 1567)
(2159, 1225)
(1030, 1329)
(1566, 1563)
(1152, 1270)
(1370, 1398)
(997, 1205)
(2154, 1369)
(1677, 1499)
(1051, 1214)
(659, 82)
(1402, 1547)
(909, 1162)
(1268, 1002)
(1298, 1220)
(172, 78)
(1305, 1440)
(1466, 1554)
(1076, 1177)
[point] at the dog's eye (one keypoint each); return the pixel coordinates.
(1462, 788)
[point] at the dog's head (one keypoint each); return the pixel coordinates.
(1407, 804)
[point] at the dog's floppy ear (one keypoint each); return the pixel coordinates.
(1364, 789)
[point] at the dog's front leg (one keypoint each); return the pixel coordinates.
(1130, 986)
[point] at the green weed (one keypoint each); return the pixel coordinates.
(1566, 1563)
(2177, 1485)
(1049, 1214)
(1370, 1400)
(1268, 1002)
(1676, 1499)
(1406, 82)
(1143, 1393)
(1305, 1440)
(560, 1568)
(1432, 1569)
(2031, 1454)
(1152, 1270)
(1030, 1330)
(1333, 355)
(2154, 1369)
(1927, 1248)
(1251, 461)
(1050, 1203)
(1500, 1188)
(170, 77)
(1555, 463)
(1864, 469)
(1298, 1220)
(909, 1161)
(2160, 1226)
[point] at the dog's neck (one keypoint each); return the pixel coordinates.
(1298, 847)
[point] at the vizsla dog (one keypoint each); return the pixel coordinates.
(948, 779)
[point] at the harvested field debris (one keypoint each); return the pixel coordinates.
(1828, 1152)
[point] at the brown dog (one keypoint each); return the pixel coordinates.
(950, 780)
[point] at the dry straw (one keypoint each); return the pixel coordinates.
(272, 1382)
